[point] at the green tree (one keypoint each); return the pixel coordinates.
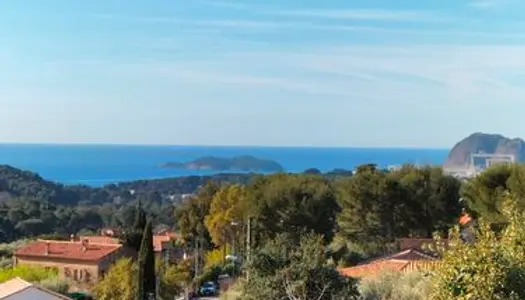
(281, 270)
(377, 207)
(225, 219)
(146, 265)
(492, 268)
(140, 218)
(118, 283)
(484, 193)
(174, 279)
(190, 216)
(292, 204)
(133, 236)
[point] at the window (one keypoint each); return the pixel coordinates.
(87, 276)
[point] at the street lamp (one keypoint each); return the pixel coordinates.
(234, 251)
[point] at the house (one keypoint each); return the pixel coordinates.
(165, 248)
(404, 261)
(81, 262)
(414, 254)
(163, 245)
(18, 289)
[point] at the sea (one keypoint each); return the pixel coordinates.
(97, 165)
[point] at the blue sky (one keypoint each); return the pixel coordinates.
(274, 72)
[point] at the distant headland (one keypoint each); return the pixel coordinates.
(243, 163)
(480, 150)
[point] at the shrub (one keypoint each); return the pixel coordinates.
(395, 286)
(55, 285)
(119, 282)
(492, 268)
(214, 257)
(282, 270)
(31, 274)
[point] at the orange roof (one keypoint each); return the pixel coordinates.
(465, 219)
(67, 250)
(373, 268)
(159, 240)
(397, 262)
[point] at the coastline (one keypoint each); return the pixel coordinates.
(100, 165)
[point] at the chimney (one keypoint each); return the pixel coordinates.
(46, 251)
(85, 243)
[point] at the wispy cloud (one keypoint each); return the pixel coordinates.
(491, 4)
(339, 13)
(256, 26)
(364, 14)
(450, 73)
(225, 4)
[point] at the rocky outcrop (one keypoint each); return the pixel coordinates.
(483, 143)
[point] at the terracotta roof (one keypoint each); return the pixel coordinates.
(399, 262)
(67, 250)
(18, 285)
(159, 240)
(465, 219)
(410, 254)
(373, 268)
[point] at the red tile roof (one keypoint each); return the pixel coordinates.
(159, 240)
(399, 262)
(373, 268)
(465, 219)
(67, 250)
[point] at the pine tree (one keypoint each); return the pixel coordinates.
(146, 265)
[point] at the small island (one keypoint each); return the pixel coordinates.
(243, 163)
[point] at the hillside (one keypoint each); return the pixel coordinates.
(16, 183)
(483, 143)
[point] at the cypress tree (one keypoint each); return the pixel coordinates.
(140, 218)
(146, 264)
(133, 237)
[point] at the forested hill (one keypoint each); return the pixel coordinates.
(24, 184)
(16, 183)
(31, 206)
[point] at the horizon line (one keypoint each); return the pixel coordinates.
(106, 144)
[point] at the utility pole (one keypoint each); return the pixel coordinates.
(248, 246)
(196, 257)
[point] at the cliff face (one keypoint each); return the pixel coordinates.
(483, 143)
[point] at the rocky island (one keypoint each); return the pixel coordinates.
(484, 144)
(244, 163)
